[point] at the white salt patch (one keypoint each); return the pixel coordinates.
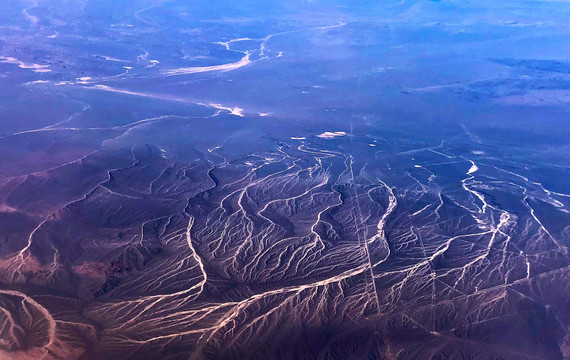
(237, 111)
(108, 58)
(331, 135)
(200, 69)
(23, 65)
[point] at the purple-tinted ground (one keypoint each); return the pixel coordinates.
(284, 180)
